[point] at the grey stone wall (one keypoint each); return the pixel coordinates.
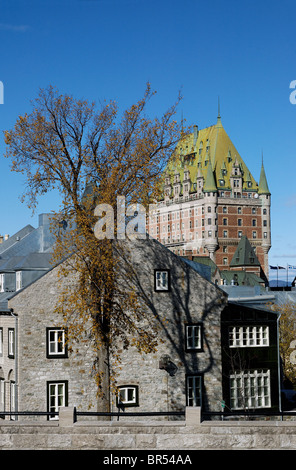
(191, 299)
(35, 309)
(134, 436)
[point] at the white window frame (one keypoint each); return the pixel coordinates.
(128, 395)
(162, 280)
(2, 280)
(1, 342)
(193, 335)
(18, 280)
(250, 389)
(12, 398)
(245, 336)
(11, 342)
(2, 394)
(56, 345)
(193, 390)
(56, 398)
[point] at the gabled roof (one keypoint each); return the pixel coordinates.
(244, 254)
(206, 261)
(241, 278)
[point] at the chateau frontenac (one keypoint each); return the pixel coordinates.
(211, 200)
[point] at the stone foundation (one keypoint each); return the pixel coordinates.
(127, 434)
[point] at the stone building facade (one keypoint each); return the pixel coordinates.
(184, 370)
(210, 200)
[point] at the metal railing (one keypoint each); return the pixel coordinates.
(116, 414)
(248, 414)
(119, 413)
(205, 415)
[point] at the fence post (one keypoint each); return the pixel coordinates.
(193, 415)
(66, 415)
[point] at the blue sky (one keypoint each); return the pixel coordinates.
(244, 52)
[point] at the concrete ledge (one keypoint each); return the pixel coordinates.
(66, 416)
(193, 415)
(130, 435)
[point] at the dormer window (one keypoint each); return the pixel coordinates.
(200, 147)
(18, 280)
(2, 282)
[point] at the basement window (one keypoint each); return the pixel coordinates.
(128, 395)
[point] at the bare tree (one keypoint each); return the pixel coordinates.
(92, 156)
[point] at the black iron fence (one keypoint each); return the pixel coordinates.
(250, 414)
(205, 415)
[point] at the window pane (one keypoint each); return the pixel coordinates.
(250, 389)
(193, 391)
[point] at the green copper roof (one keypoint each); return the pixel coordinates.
(212, 146)
(263, 186)
(244, 254)
(241, 278)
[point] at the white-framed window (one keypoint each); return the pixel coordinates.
(2, 394)
(2, 286)
(193, 337)
(18, 280)
(162, 279)
(12, 398)
(128, 395)
(248, 336)
(193, 390)
(250, 389)
(56, 342)
(1, 341)
(11, 342)
(57, 396)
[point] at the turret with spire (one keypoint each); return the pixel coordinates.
(264, 194)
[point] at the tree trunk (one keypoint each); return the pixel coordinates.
(103, 402)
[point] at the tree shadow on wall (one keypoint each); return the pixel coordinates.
(191, 299)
